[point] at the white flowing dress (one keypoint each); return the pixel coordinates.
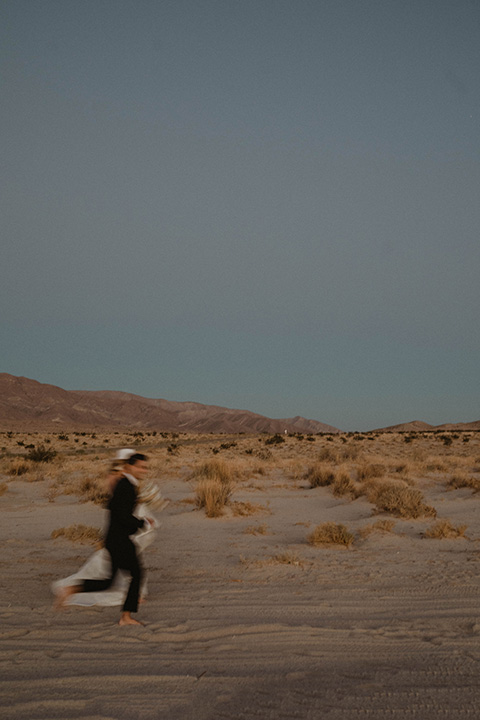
(98, 567)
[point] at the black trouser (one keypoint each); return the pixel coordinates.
(123, 558)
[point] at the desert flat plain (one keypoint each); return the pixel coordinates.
(339, 580)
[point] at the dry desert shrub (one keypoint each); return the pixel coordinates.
(78, 533)
(214, 487)
(213, 470)
(402, 468)
(445, 529)
(243, 509)
(256, 529)
(40, 453)
(350, 452)
(460, 480)
(344, 485)
(18, 468)
(434, 465)
(93, 490)
(384, 526)
(398, 499)
(320, 475)
(328, 454)
(331, 533)
(286, 558)
(368, 471)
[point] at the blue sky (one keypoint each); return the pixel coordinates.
(266, 205)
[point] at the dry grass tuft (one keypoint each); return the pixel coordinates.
(18, 468)
(445, 529)
(433, 465)
(368, 471)
(460, 480)
(350, 452)
(78, 533)
(286, 558)
(330, 533)
(328, 454)
(384, 526)
(320, 475)
(344, 485)
(214, 488)
(243, 509)
(256, 529)
(399, 500)
(91, 490)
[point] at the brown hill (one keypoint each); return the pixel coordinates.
(413, 426)
(419, 426)
(29, 405)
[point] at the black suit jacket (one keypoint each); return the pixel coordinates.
(123, 522)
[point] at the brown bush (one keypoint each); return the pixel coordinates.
(399, 500)
(320, 475)
(92, 490)
(78, 533)
(328, 454)
(3, 488)
(445, 529)
(256, 529)
(384, 526)
(369, 471)
(330, 533)
(243, 509)
(214, 488)
(344, 485)
(18, 468)
(464, 481)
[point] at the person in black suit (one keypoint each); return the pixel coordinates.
(122, 524)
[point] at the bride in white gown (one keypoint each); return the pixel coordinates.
(98, 565)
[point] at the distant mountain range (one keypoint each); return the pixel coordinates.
(29, 405)
(420, 426)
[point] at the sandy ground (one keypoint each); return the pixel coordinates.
(244, 625)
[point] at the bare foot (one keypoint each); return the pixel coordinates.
(126, 619)
(142, 600)
(63, 594)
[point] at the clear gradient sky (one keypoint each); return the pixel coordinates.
(262, 204)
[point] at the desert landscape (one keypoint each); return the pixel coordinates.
(293, 576)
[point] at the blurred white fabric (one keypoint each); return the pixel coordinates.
(98, 567)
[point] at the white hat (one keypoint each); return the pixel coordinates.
(124, 454)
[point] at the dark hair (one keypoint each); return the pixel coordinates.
(135, 458)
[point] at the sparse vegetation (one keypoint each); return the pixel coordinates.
(78, 533)
(18, 468)
(320, 475)
(370, 470)
(380, 526)
(286, 558)
(344, 485)
(464, 481)
(214, 487)
(275, 440)
(398, 499)
(256, 529)
(42, 454)
(243, 509)
(331, 533)
(445, 529)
